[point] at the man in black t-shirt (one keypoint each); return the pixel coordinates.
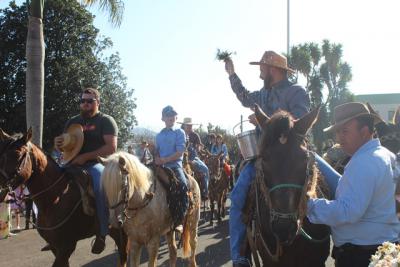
(100, 139)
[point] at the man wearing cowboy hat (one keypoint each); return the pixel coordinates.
(362, 215)
(277, 93)
(144, 154)
(100, 133)
(193, 146)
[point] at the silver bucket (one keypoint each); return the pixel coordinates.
(247, 142)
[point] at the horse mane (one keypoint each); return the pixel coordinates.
(278, 125)
(138, 175)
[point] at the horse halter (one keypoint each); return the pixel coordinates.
(267, 191)
(122, 216)
(12, 181)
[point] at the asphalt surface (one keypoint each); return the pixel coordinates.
(24, 250)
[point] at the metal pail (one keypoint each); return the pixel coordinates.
(247, 142)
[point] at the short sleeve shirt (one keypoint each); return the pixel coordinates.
(168, 142)
(94, 129)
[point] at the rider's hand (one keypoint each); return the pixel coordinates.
(58, 141)
(79, 160)
(253, 120)
(230, 69)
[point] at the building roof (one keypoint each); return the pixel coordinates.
(379, 98)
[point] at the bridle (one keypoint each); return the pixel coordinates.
(254, 233)
(11, 181)
(123, 215)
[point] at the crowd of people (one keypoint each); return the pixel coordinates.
(361, 214)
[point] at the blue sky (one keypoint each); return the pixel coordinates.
(167, 49)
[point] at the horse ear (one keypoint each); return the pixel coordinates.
(396, 117)
(3, 135)
(101, 160)
(372, 111)
(303, 124)
(261, 117)
(28, 135)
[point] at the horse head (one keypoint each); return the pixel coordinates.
(214, 165)
(15, 161)
(282, 168)
(124, 177)
(388, 133)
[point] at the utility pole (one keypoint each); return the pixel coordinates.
(288, 28)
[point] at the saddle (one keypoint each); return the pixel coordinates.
(83, 180)
(175, 195)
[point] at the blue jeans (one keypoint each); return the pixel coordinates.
(237, 229)
(201, 167)
(95, 171)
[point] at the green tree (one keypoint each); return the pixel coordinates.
(74, 59)
(35, 57)
(324, 71)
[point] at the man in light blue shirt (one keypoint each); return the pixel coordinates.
(362, 215)
(170, 145)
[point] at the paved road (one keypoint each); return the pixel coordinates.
(24, 250)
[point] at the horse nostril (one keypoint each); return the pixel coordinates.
(285, 230)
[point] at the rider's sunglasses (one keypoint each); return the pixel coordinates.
(87, 100)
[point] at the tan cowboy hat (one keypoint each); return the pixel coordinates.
(348, 111)
(273, 59)
(188, 121)
(73, 141)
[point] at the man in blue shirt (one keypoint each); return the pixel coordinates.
(278, 93)
(362, 215)
(170, 145)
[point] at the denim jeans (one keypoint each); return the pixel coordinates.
(237, 229)
(95, 171)
(201, 167)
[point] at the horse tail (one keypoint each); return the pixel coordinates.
(186, 238)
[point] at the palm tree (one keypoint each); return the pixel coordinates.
(35, 59)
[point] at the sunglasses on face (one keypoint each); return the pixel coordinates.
(87, 100)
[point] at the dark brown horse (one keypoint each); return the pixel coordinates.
(218, 186)
(278, 230)
(61, 220)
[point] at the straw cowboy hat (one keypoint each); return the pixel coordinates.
(187, 121)
(73, 141)
(348, 111)
(273, 59)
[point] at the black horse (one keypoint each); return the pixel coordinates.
(278, 231)
(61, 218)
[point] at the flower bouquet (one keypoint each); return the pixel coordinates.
(387, 255)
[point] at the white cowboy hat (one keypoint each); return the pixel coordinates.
(73, 142)
(188, 121)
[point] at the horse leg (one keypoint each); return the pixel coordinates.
(121, 244)
(223, 205)
(135, 252)
(193, 240)
(172, 248)
(219, 206)
(152, 248)
(63, 254)
(211, 211)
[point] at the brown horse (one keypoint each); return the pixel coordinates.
(61, 220)
(285, 178)
(218, 186)
(136, 195)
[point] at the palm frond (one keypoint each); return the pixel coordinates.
(115, 8)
